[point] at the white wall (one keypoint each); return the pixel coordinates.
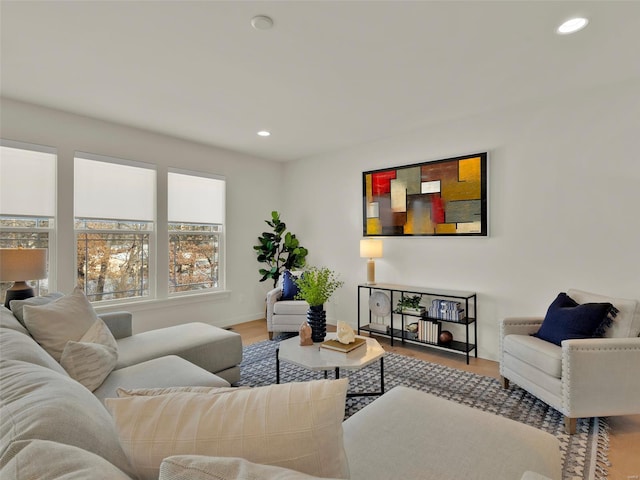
(253, 191)
(564, 198)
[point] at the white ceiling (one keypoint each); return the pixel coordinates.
(329, 75)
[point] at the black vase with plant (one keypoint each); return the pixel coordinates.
(315, 286)
(279, 250)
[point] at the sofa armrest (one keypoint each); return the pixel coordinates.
(600, 376)
(120, 323)
(520, 326)
(272, 297)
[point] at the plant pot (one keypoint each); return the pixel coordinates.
(317, 320)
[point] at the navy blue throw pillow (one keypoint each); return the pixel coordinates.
(566, 319)
(289, 287)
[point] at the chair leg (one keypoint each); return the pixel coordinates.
(570, 425)
(505, 382)
(270, 335)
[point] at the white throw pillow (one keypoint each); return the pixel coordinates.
(47, 460)
(92, 359)
(626, 323)
(150, 392)
(293, 425)
(54, 324)
(17, 306)
(196, 467)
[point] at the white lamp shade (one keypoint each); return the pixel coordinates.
(20, 264)
(370, 248)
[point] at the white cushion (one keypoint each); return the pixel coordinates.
(90, 360)
(291, 307)
(54, 324)
(40, 403)
(626, 323)
(150, 392)
(196, 467)
(534, 351)
(47, 460)
(18, 346)
(17, 306)
(294, 425)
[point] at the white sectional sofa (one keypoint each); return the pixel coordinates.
(52, 425)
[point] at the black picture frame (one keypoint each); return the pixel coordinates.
(446, 197)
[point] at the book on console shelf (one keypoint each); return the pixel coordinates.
(342, 347)
(450, 314)
(428, 331)
(445, 304)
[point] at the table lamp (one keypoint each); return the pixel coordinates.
(18, 265)
(371, 248)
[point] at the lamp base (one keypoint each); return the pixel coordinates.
(371, 272)
(20, 293)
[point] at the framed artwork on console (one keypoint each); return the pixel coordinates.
(445, 197)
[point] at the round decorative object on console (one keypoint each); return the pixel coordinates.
(379, 304)
(445, 336)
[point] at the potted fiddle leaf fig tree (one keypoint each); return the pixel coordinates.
(315, 286)
(279, 250)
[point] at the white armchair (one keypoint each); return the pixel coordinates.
(284, 315)
(581, 378)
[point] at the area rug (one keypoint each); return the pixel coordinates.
(584, 454)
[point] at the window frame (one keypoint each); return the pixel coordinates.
(50, 230)
(152, 231)
(221, 236)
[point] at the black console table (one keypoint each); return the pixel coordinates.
(400, 319)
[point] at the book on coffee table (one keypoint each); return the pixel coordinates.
(342, 347)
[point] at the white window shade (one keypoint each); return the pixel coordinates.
(195, 199)
(23, 192)
(116, 191)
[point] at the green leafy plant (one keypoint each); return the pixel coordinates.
(316, 285)
(279, 250)
(409, 302)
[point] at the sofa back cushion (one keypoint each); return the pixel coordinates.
(18, 346)
(38, 403)
(17, 306)
(47, 460)
(626, 323)
(55, 323)
(10, 322)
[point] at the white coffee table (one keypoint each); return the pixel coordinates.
(315, 358)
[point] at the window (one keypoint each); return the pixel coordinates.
(114, 203)
(27, 202)
(196, 231)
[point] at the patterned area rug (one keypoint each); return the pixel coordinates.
(584, 454)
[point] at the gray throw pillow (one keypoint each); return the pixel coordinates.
(17, 306)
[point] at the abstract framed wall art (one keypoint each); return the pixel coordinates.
(439, 198)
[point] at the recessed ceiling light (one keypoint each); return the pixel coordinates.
(264, 133)
(261, 22)
(572, 25)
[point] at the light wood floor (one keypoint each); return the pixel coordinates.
(624, 451)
